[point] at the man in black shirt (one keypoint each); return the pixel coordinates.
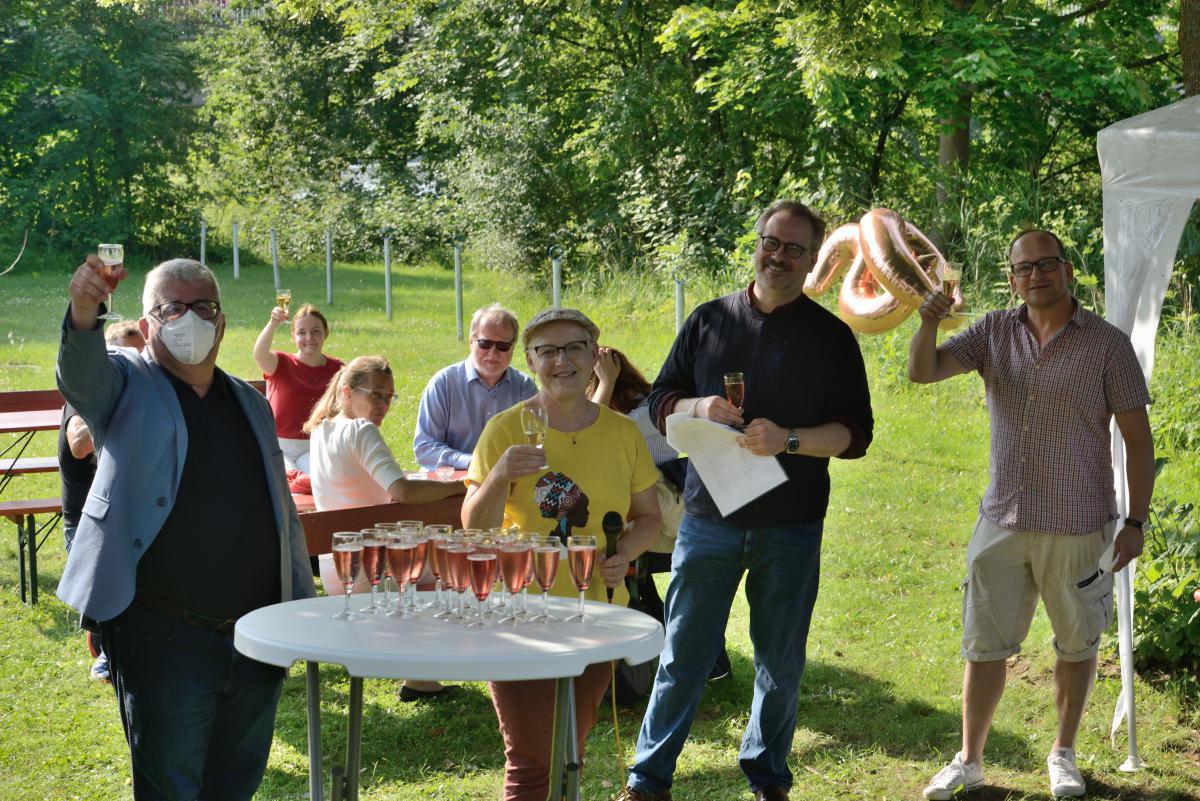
(188, 525)
(77, 468)
(806, 400)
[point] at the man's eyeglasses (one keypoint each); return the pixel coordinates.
(574, 350)
(173, 310)
(488, 344)
(1047, 265)
(793, 250)
(379, 397)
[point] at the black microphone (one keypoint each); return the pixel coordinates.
(612, 524)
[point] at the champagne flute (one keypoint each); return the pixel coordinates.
(347, 558)
(437, 533)
(113, 257)
(545, 568)
(374, 558)
(581, 558)
(735, 389)
(283, 299)
(459, 572)
(441, 568)
(386, 532)
(951, 278)
(400, 551)
(514, 567)
(418, 566)
(534, 423)
(483, 568)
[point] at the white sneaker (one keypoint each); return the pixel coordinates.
(957, 777)
(1065, 779)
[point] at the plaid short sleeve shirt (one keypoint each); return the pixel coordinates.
(1050, 408)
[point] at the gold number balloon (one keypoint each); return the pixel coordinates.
(889, 267)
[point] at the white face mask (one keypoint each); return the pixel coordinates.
(188, 338)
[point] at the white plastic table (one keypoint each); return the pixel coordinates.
(423, 648)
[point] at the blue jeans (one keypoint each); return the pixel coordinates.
(198, 716)
(782, 565)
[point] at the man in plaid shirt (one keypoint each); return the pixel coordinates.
(1055, 376)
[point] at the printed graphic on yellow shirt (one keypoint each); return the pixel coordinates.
(560, 499)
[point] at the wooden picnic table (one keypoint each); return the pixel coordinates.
(24, 414)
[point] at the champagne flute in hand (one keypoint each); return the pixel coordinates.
(581, 557)
(347, 558)
(283, 299)
(113, 257)
(735, 389)
(951, 278)
(534, 423)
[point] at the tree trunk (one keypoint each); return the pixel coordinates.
(1189, 45)
(954, 150)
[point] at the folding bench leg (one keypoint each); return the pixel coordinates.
(31, 539)
(20, 551)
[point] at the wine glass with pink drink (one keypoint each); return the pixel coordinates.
(347, 559)
(581, 558)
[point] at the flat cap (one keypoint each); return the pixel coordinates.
(557, 315)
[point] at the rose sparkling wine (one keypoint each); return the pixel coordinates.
(514, 567)
(373, 562)
(458, 572)
(581, 558)
(545, 568)
(347, 560)
(483, 567)
(400, 557)
(415, 570)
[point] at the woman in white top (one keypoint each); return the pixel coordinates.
(350, 463)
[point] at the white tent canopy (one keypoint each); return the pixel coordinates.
(1150, 167)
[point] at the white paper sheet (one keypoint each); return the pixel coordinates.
(732, 475)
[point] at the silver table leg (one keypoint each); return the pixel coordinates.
(354, 738)
(316, 781)
(564, 750)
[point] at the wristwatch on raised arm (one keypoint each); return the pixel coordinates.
(793, 442)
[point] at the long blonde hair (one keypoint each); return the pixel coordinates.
(356, 373)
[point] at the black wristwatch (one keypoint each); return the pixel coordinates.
(1133, 521)
(793, 442)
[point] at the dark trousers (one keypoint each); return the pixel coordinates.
(198, 716)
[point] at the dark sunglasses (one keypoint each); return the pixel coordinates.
(488, 344)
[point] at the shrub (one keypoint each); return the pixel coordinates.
(1166, 626)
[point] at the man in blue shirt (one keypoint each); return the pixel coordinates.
(460, 399)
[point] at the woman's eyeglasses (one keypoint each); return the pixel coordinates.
(379, 397)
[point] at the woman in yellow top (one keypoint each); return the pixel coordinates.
(598, 462)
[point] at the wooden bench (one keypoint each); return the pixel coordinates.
(24, 515)
(31, 400)
(319, 526)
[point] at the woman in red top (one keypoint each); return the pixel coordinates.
(295, 381)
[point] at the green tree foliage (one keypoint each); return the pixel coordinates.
(95, 123)
(645, 132)
(302, 138)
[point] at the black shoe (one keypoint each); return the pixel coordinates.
(408, 694)
(721, 668)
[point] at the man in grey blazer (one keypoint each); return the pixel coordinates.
(188, 525)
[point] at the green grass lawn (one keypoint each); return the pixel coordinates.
(879, 711)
